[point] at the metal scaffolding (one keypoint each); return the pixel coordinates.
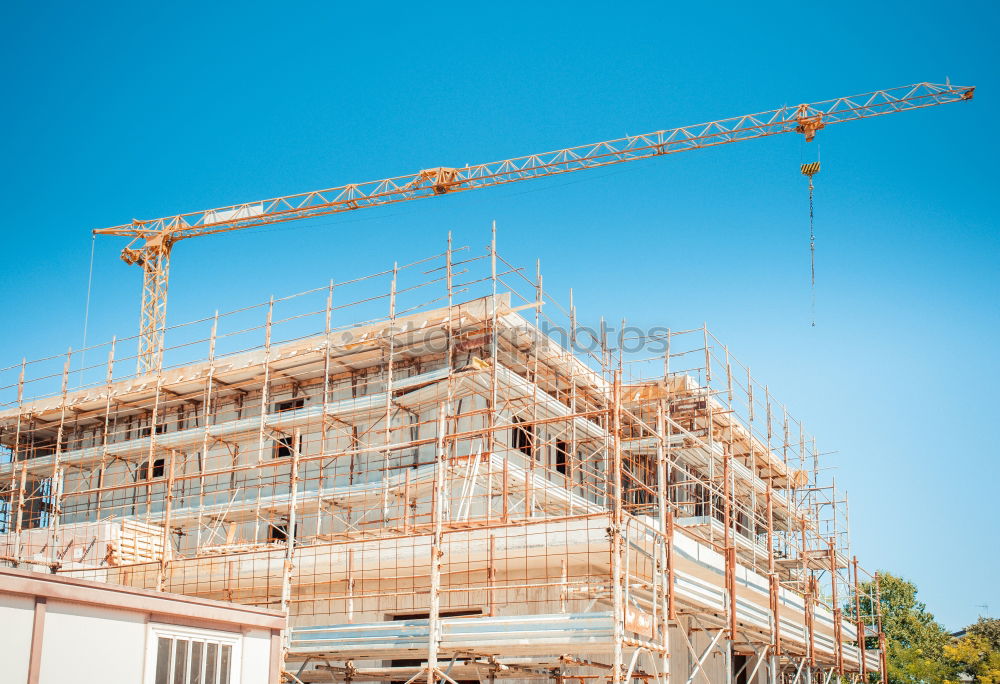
(441, 475)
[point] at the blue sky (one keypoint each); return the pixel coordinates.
(114, 112)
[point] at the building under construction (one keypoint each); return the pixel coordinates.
(441, 475)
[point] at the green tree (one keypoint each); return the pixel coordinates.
(989, 629)
(977, 653)
(915, 641)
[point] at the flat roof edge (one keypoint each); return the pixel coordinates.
(74, 590)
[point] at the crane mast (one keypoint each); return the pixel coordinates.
(152, 240)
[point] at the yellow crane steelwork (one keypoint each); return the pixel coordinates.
(153, 239)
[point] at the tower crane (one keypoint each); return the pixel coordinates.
(152, 239)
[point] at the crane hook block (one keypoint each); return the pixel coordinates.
(810, 169)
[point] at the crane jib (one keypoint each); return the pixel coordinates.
(155, 237)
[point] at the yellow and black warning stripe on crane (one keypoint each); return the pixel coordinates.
(810, 169)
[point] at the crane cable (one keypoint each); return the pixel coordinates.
(812, 254)
(809, 170)
(86, 311)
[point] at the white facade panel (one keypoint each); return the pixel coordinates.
(84, 643)
(16, 615)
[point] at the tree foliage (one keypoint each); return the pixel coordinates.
(989, 629)
(977, 652)
(919, 650)
(915, 641)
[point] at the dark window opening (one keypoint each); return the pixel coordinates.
(147, 430)
(523, 437)
(562, 453)
(37, 509)
(278, 533)
(157, 470)
(740, 664)
(283, 447)
(41, 449)
(289, 405)
(417, 662)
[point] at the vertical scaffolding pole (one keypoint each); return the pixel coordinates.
(17, 512)
(293, 490)
(534, 434)
(859, 624)
(165, 554)
(55, 487)
(437, 552)
(729, 546)
(324, 421)
(264, 400)
(883, 656)
(618, 607)
(439, 497)
(19, 522)
(838, 627)
(206, 414)
(108, 380)
(390, 361)
(571, 456)
(151, 452)
(773, 580)
(663, 560)
(494, 346)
